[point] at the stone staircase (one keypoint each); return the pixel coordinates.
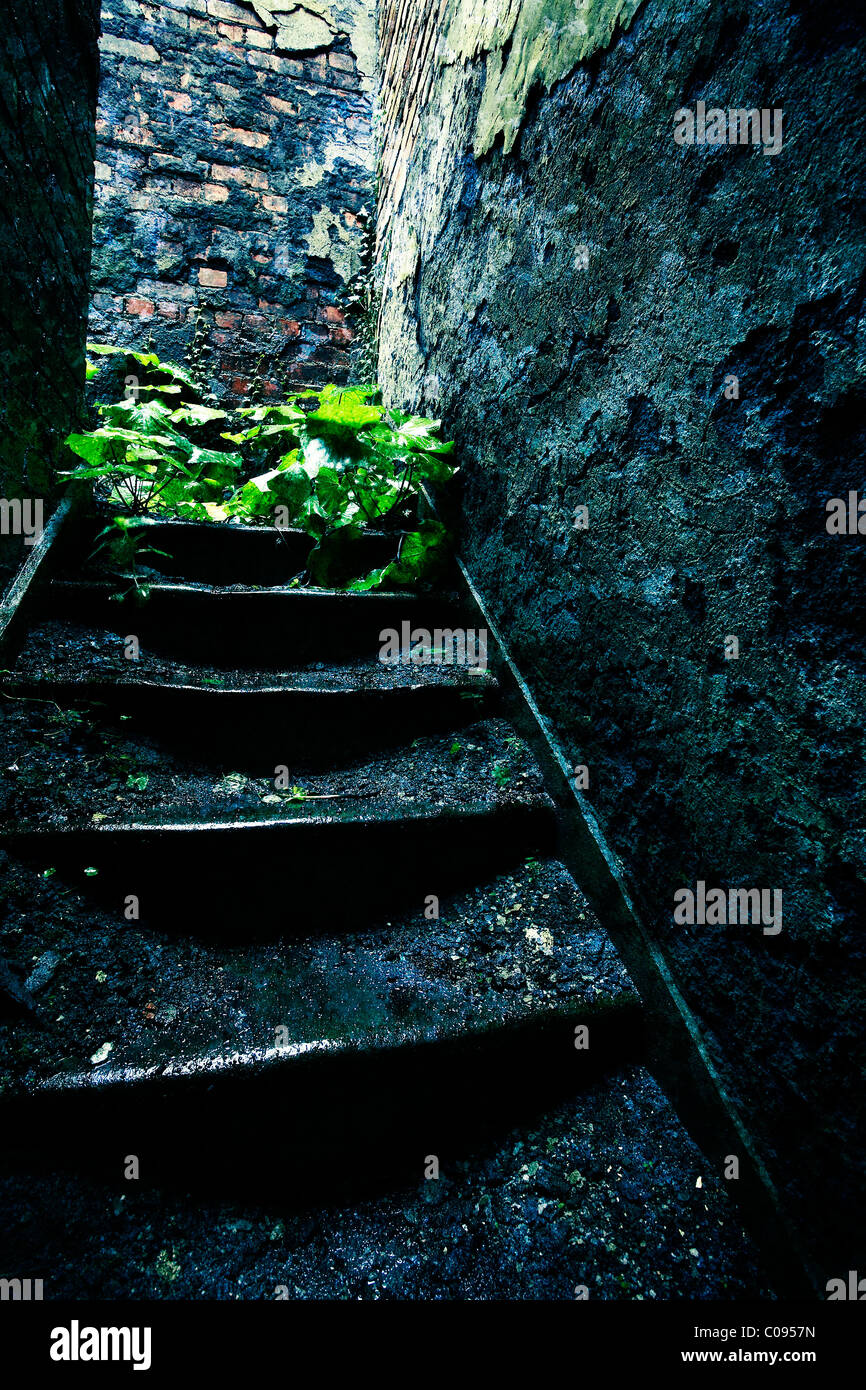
(278, 898)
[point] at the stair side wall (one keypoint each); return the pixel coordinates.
(48, 78)
(666, 335)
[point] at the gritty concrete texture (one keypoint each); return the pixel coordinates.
(670, 337)
(604, 1198)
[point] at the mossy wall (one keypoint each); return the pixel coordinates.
(48, 78)
(670, 336)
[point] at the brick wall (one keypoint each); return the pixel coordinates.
(408, 34)
(48, 74)
(233, 169)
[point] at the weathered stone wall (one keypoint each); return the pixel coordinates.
(48, 75)
(574, 292)
(233, 172)
(409, 32)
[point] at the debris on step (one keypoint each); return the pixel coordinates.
(43, 972)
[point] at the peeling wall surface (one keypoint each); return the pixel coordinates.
(233, 166)
(669, 335)
(48, 74)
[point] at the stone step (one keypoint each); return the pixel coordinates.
(416, 1021)
(604, 1194)
(274, 628)
(323, 712)
(205, 851)
(209, 553)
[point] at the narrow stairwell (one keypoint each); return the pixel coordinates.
(277, 897)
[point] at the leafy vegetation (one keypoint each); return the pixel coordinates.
(121, 545)
(334, 463)
(501, 774)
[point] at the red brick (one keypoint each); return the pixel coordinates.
(240, 386)
(273, 203)
(263, 62)
(290, 327)
(227, 320)
(250, 178)
(342, 62)
(316, 68)
(133, 135)
(286, 108)
(202, 26)
(143, 308)
(289, 66)
(230, 50)
(216, 279)
(179, 101)
(331, 314)
(252, 139)
(185, 188)
(341, 335)
(343, 81)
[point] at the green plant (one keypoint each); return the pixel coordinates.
(533, 867)
(141, 458)
(332, 462)
(340, 466)
(501, 774)
(198, 351)
(121, 546)
(361, 300)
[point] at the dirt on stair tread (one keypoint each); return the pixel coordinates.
(604, 1193)
(524, 945)
(56, 651)
(65, 768)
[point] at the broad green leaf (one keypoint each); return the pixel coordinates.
(285, 413)
(287, 487)
(422, 554)
(196, 415)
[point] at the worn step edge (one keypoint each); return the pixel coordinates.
(295, 686)
(263, 593)
(621, 1017)
(388, 814)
